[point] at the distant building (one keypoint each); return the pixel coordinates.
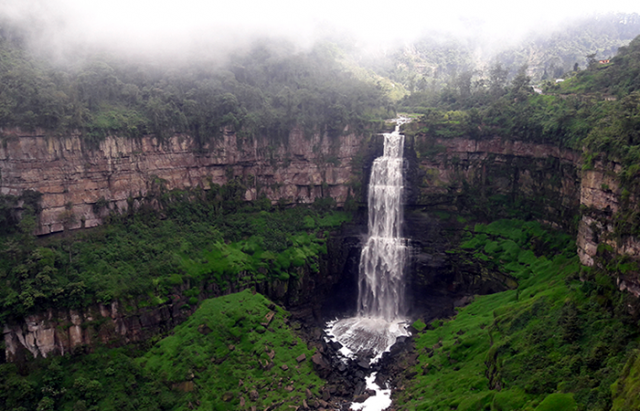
(559, 80)
(604, 61)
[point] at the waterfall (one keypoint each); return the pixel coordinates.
(380, 286)
(380, 283)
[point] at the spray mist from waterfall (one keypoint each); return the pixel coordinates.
(379, 321)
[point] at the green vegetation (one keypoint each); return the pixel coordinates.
(232, 337)
(227, 353)
(262, 93)
(211, 239)
(596, 109)
(440, 68)
(626, 390)
(558, 342)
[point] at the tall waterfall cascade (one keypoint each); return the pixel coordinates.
(379, 321)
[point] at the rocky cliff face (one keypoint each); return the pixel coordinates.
(480, 176)
(536, 181)
(74, 176)
(609, 213)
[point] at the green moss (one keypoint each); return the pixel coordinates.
(557, 402)
(419, 325)
(626, 389)
(225, 350)
(509, 400)
(513, 350)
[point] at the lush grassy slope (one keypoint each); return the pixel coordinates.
(557, 342)
(216, 360)
(231, 351)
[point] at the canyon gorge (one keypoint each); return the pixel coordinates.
(453, 175)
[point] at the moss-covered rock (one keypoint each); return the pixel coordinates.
(626, 390)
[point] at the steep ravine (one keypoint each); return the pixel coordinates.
(458, 176)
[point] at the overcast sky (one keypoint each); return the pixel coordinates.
(183, 23)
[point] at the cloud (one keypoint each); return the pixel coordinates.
(177, 25)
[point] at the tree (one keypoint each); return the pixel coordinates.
(497, 80)
(591, 61)
(521, 84)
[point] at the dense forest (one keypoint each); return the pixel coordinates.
(568, 114)
(263, 92)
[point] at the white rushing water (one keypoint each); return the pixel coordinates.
(380, 401)
(380, 285)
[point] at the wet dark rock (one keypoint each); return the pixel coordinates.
(361, 397)
(359, 388)
(317, 333)
(363, 363)
(321, 365)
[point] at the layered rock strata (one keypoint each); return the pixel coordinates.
(543, 179)
(548, 182)
(73, 176)
(608, 213)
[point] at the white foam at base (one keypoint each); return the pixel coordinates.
(371, 337)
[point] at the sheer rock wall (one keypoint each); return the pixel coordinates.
(74, 176)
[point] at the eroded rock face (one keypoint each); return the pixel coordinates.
(604, 207)
(57, 332)
(74, 176)
(454, 171)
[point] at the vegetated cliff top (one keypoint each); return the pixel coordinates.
(262, 92)
(597, 108)
(620, 77)
(438, 60)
